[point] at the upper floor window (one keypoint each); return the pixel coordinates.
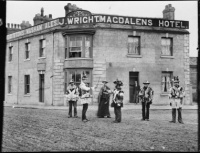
(10, 53)
(134, 45)
(27, 84)
(166, 81)
(9, 84)
(42, 47)
(167, 46)
(27, 50)
(78, 46)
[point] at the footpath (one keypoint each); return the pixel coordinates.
(95, 106)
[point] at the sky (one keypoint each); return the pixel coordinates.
(18, 11)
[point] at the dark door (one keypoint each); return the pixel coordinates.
(41, 88)
(134, 86)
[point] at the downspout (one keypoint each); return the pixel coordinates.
(18, 73)
(52, 67)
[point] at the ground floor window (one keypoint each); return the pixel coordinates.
(41, 87)
(76, 75)
(27, 84)
(9, 84)
(166, 81)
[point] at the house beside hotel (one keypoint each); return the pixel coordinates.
(42, 59)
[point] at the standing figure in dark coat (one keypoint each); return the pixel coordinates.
(103, 101)
(146, 97)
(118, 101)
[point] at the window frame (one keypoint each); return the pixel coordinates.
(26, 84)
(166, 73)
(27, 50)
(171, 46)
(9, 84)
(41, 48)
(10, 56)
(83, 47)
(139, 45)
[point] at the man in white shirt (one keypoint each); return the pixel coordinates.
(85, 97)
(176, 95)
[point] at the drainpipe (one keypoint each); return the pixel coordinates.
(18, 73)
(52, 66)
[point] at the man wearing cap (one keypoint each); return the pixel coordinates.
(176, 94)
(72, 97)
(85, 96)
(117, 102)
(146, 96)
(103, 101)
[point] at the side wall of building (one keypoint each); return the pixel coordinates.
(11, 69)
(30, 67)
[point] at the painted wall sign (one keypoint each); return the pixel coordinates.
(79, 17)
(40, 27)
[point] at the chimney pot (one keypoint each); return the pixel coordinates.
(8, 25)
(42, 11)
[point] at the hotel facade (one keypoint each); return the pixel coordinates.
(42, 59)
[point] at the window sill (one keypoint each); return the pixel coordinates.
(27, 59)
(71, 59)
(9, 94)
(162, 56)
(134, 56)
(27, 95)
(9, 61)
(41, 57)
(164, 94)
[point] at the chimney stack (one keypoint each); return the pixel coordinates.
(69, 8)
(169, 12)
(50, 16)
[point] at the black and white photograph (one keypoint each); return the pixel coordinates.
(100, 76)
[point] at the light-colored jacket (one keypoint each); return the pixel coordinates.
(72, 93)
(176, 95)
(85, 97)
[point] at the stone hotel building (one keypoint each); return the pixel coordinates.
(43, 58)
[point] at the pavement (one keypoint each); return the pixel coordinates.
(95, 107)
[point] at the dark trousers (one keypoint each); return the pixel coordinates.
(145, 113)
(74, 103)
(180, 120)
(180, 115)
(85, 107)
(118, 114)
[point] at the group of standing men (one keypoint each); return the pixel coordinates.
(146, 93)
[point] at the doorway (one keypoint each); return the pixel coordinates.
(134, 87)
(41, 87)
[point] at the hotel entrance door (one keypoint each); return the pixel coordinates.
(134, 86)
